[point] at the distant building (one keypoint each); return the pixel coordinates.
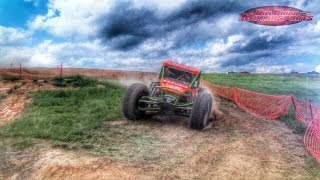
(313, 73)
(294, 72)
(232, 72)
(244, 72)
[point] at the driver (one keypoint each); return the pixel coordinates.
(168, 72)
(185, 78)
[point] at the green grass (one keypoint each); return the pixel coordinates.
(302, 86)
(291, 121)
(81, 118)
(9, 78)
(74, 81)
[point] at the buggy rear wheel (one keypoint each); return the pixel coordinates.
(131, 101)
(201, 111)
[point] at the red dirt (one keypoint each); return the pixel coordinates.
(42, 73)
(13, 104)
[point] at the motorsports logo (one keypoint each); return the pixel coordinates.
(275, 15)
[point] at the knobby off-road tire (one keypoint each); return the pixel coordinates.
(201, 111)
(131, 99)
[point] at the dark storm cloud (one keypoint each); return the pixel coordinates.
(257, 48)
(262, 43)
(245, 59)
(187, 33)
(127, 27)
(202, 9)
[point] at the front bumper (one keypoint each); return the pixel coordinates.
(157, 105)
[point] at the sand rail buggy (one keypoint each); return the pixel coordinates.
(177, 92)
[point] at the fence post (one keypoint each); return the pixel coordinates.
(310, 106)
(20, 71)
(294, 104)
(61, 70)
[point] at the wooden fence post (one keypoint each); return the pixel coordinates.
(61, 70)
(310, 106)
(20, 71)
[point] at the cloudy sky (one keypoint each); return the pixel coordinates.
(140, 34)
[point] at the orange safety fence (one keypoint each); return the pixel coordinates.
(303, 110)
(262, 105)
(221, 91)
(312, 138)
(272, 106)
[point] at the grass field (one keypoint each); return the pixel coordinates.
(302, 86)
(79, 117)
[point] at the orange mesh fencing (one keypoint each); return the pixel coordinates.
(315, 112)
(272, 106)
(262, 105)
(221, 91)
(309, 114)
(312, 138)
(303, 110)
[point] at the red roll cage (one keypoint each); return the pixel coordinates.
(169, 63)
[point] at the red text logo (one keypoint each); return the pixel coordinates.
(275, 15)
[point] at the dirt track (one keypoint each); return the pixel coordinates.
(237, 146)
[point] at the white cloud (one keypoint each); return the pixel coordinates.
(314, 28)
(298, 3)
(10, 35)
(50, 54)
(318, 68)
(68, 18)
(45, 55)
(226, 23)
(14, 55)
(273, 69)
(220, 46)
(83, 54)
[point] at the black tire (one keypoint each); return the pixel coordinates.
(201, 111)
(201, 89)
(131, 99)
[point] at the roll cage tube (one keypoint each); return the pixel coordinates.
(195, 83)
(161, 75)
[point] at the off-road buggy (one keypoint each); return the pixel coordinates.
(176, 92)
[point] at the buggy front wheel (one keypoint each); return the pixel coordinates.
(131, 101)
(201, 111)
